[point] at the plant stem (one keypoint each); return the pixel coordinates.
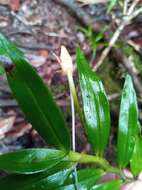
(132, 7)
(111, 44)
(103, 163)
(136, 13)
(69, 75)
(73, 120)
(74, 94)
(125, 6)
(72, 90)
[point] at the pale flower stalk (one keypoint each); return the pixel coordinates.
(66, 63)
(67, 68)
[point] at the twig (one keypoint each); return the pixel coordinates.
(111, 44)
(132, 7)
(136, 13)
(84, 2)
(125, 21)
(126, 2)
(135, 46)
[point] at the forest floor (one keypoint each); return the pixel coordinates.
(38, 28)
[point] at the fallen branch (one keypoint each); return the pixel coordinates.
(110, 45)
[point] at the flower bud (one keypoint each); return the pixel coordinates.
(66, 61)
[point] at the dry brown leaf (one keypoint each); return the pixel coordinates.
(92, 1)
(43, 53)
(19, 131)
(6, 125)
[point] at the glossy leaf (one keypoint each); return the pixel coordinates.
(51, 178)
(128, 123)
(86, 179)
(57, 181)
(136, 160)
(30, 161)
(34, 97)
(95, 105)
(114, 184)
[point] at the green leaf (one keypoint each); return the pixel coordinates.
(128, 123)
(34, 97)
(86, 179)
(35, 181)
(43, 181)
(2, 71)
(136, 160)
(30, 161)
(114, 184)
(95, 105)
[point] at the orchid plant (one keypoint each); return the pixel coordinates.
(56, 168)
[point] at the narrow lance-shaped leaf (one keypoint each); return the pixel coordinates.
(34, 97)
(128, 123)
(136, 160)
(95, 105)
(62, 180)
(30, 161)
(86, 179)
(53, 177)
